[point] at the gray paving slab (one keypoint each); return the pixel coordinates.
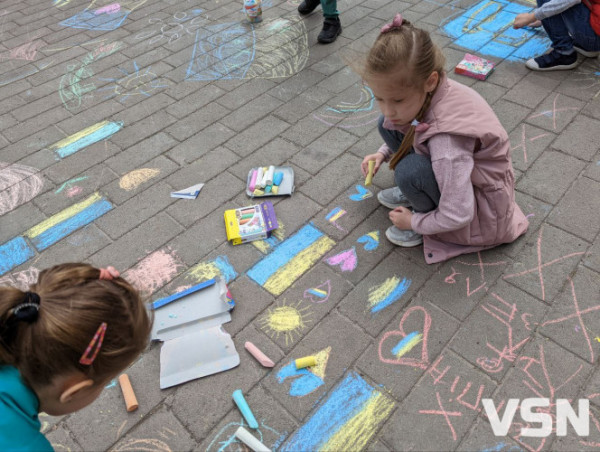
(513, 322)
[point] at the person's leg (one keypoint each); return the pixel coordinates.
(308, 6)
(563, 55)
(332, 27)
(585, 39)
(415, 178)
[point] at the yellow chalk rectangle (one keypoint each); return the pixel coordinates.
(303, 261)
(307, 361)
(62, 216)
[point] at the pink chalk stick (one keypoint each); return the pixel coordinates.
(253, 181)
(260, 356)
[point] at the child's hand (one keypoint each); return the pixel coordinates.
(524, 19)
(401, 218)
(364, 166)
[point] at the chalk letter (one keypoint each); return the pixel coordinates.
(544, 418)
(580, 423)
(500, 426)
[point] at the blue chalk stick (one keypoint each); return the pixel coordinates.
(268, 188)
(241, 403)
(163, 301)
(277, 178)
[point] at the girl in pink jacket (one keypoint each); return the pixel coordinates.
(450, 154)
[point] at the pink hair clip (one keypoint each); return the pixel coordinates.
(87, 360)
(396, 23)
(109, 273)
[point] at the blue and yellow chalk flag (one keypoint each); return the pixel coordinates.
(346, 420)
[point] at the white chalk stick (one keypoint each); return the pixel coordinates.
(249, 440)
(269, 177)
(259, 178)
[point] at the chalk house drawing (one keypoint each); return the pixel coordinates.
(276, 48)
(486, 28)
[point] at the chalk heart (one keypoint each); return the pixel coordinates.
(399, 334)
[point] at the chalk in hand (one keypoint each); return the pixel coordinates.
(249, 440)
(307, 361)
(370, 173)
(130, 400)
(260, 356)
(241, 403)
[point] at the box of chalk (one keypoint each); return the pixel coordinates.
(270, 181)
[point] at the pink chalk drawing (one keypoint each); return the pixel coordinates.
(451, 278)
(22, 279)
(543, 387)
(18, 185)
(505, 313)
(74, 191)
(421, 362)
(27, 51)
(347, 260)
(320, 293)
(553, 113)
(108, 9)
(154, 271)
(442, 378)
(443, 412)
(540, 266)
(578, 314)
(524, 139)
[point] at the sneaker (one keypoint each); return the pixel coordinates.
(332, 28)
(406, 238)
(392, 198)
(587, 53)
(553, 61)
(308, 6)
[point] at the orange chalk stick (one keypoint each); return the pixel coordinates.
(130, 400)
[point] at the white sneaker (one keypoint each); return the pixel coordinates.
(392, 198)
(406, 238)
(587, 53)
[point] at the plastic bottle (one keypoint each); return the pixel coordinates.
(253, 10)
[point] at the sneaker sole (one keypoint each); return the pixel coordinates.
(410, 244)
(389, 205)
(564, 67)
(587, 53)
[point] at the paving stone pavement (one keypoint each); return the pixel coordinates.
(119, 108)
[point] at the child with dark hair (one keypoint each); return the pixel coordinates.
(450, 155)
(61, 342)
(573, 26)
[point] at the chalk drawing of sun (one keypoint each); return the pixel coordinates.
(136, 83)
(590, 74)
(285, 320)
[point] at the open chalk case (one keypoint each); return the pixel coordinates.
(275, 181)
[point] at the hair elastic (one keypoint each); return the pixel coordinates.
(396, 24)
(29, 309)
(87, 360)
(109, 273)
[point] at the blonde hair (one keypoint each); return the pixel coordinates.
(408, 55)
(73, 303)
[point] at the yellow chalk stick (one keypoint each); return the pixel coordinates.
(307, 361)
(275, 189)
(370, 173)
(258, 192)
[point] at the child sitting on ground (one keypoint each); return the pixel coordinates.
(61, 342)
(573, 26)
(458, 179)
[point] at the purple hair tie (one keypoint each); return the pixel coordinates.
(396, 23)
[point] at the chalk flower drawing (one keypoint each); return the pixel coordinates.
(18, 185)
(285, 320)
(134, 83)
(181, 24)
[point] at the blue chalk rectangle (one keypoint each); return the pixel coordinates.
(100, 134)
(66, 227)
(14, 253)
